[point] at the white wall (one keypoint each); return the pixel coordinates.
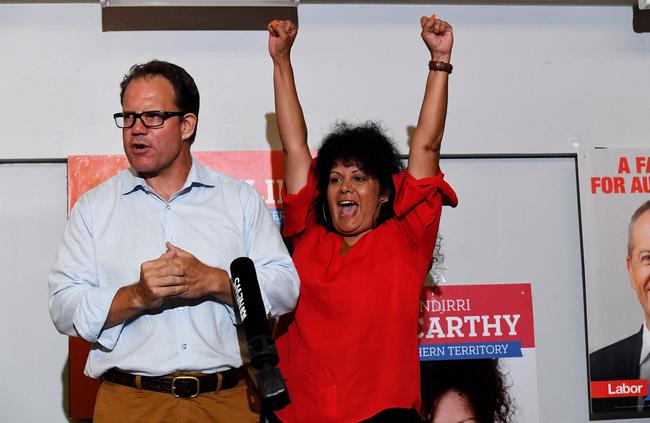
(33, 356)
(526, 80)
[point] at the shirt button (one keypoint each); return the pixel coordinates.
(169, 206)
(184, 346)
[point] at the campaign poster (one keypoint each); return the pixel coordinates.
(479, 340)
(263, 170)
(614, 186)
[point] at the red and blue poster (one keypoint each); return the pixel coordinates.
(478, 341)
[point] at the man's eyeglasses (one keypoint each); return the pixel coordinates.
(152, 119)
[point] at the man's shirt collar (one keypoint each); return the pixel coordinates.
(197, 177)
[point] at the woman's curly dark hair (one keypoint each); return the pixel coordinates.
(481, 380)
(366, 146)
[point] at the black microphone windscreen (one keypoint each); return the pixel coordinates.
(263, 355)
(248, 297)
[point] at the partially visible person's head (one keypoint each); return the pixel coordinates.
(454, 407)
(354, 171)
(186, 94)
(638, 256)
(464, 391)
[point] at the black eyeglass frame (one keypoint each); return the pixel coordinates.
(165, 115)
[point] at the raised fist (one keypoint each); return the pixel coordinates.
(438, 36)
(282, 34)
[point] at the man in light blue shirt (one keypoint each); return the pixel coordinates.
(140, 272)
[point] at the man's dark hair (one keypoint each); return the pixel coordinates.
(480, 380)
(186, 94)
(365, 146)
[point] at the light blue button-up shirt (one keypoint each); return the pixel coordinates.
(122, 223)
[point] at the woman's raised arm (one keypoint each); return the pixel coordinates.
(424, 153)
(291, 122)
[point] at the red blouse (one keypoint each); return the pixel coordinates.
(352, 349)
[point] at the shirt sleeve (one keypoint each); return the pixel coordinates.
(276, 273)
(297, 207)
(78, 305)
(418, 204)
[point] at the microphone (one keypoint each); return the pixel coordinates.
(261, 347)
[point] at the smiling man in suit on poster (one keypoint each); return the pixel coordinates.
(628, 359)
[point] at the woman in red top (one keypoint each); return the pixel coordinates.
(363, 232)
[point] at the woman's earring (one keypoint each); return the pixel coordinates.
(382, 201)
(324, 214)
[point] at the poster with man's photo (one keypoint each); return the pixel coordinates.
(477, 353)
(615, 223)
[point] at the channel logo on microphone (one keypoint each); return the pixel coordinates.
(239, 298)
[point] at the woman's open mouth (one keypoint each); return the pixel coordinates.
(347, 208)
